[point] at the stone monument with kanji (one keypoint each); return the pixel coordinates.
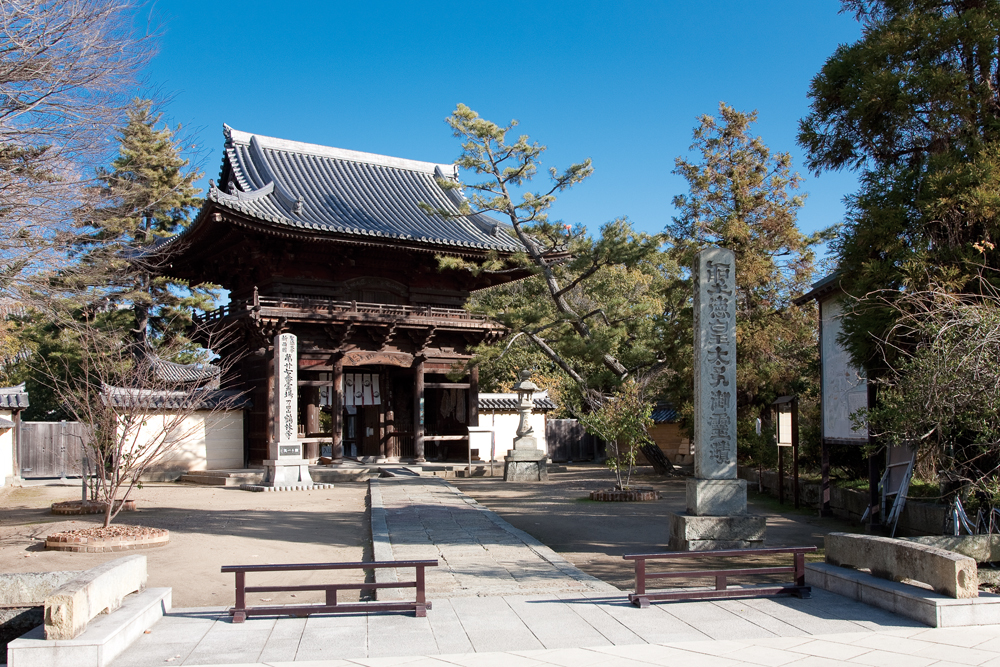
(716, 516)
(285, 465)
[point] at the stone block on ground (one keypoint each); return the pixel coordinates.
(70, 607)
(716, 497)
(708, 533)
(515, 470)
(946, 572)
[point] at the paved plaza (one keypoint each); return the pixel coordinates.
(500, 597)
(479, 554)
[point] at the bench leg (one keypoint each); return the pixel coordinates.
(640, 601)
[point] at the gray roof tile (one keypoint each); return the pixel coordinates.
(14, 397)
(154, 399)
(508, 402)
(347, 192)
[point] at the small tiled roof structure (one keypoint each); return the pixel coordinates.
(196, 374)
(820, 288)
(508, 402)
(345, 193)
(153, 399)
(664, 413)
(13, 398)
(6, 423)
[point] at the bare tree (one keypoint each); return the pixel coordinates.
(68, 70)
(135, 411)
(941, 393)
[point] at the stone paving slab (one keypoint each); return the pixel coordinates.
(495, 627)
(479, 554)
(889, 646)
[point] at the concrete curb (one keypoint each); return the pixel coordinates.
(920, 604)
(381, 546)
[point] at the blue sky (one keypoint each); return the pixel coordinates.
(622, 83)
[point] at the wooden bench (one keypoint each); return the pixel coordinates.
(642, 597)
(240, 611)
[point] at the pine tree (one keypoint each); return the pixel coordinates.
(577, 314)
(742, 197)
(147, 195)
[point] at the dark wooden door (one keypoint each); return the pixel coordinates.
(369, 430)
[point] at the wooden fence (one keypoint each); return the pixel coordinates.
(50, 449)
(567, 441)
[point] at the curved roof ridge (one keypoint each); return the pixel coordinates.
(240, 137)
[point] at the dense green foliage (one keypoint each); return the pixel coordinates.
(914, 107)
(148, 194)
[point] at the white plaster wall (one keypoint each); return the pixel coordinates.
(504, 427)
(6, 449)
(203, 441)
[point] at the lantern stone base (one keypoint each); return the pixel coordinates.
(525, 465)
(707, 533)
(286, 472)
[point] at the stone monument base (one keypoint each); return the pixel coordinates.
(717, 497)
(706, 533)
(286, 472)
(525, 465)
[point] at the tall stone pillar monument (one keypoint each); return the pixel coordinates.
(716, 516)
(285, 465)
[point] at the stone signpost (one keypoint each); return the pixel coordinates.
(716, 516)
(285, 465)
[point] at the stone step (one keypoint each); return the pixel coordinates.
(222, 477)
(104, 639)
(332, 475)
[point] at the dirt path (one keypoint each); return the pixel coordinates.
(595, 535)
(209, 528)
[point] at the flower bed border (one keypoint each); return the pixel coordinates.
(88, 544)
(75, 507)
(620, 496)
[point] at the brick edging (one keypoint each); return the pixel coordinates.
(617, 495)
(87, 544)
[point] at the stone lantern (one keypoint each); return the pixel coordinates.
(525, 463)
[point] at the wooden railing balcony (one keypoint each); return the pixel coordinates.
(314, 305)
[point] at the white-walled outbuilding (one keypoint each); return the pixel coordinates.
(209, 435)
(498, 420)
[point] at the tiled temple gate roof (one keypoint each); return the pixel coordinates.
(348, 193)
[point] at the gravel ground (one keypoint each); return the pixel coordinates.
(209, 527)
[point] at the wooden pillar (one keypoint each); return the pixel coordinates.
(473, 396)
(795, 451)
(17, 445)
(874, 474)
(337, 408)
(418, 412)
(383, 454)
(311, 395)
(824, 489)
(391, 446)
